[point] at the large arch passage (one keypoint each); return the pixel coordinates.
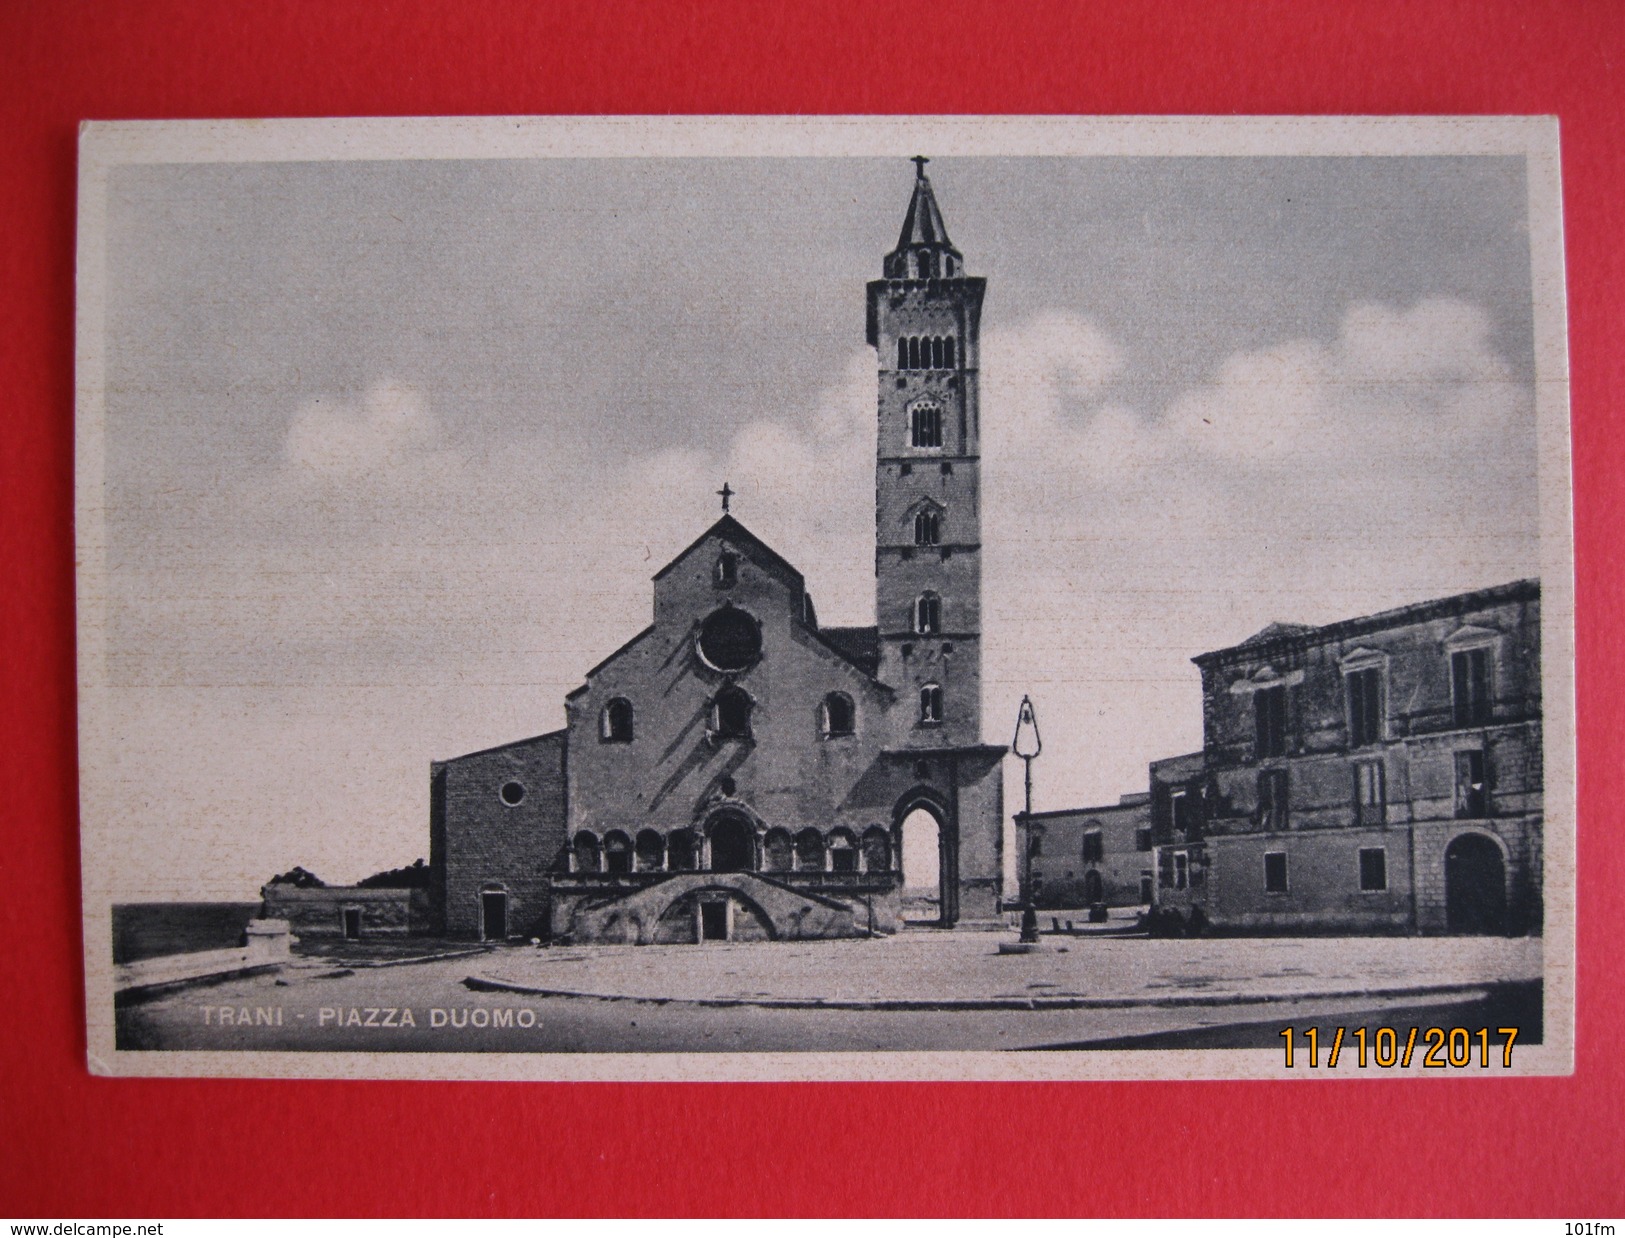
(1475, 892)
(926, 857)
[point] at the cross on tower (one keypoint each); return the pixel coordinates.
(726, 494)
(919, 165)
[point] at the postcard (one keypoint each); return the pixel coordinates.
(825, 598)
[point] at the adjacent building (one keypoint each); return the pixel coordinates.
(1091, 857)
(1380, 774)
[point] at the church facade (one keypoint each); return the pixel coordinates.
(735, 771)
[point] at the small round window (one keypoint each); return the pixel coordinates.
(730, 640)
(512, 793)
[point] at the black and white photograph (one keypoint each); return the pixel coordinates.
(843, 598)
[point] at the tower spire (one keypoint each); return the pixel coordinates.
(923, 249)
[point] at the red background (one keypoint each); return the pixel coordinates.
(76, 1145)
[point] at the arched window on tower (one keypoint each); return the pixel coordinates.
(936, 352)
(925, 424)
(913, 352)
(836, 715)
(730, 714)
(948, 352)
(927, 527)
(902, 352)
(928, 614)
(615, 723)
(931, 704)
(928, 264)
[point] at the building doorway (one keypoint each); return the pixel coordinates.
(923, 864)
(733, 845)
(714, 920)
(493, 916)
(1094, 889)
(1475, 894)
(352, 924)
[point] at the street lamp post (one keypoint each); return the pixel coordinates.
(1027, 745)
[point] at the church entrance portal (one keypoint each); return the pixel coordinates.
(1475, 895)
(733, 845)
(925, 862)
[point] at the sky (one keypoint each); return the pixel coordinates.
(394, 448)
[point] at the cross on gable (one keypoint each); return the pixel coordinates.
(726, 493)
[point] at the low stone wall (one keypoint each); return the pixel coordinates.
(340, 911)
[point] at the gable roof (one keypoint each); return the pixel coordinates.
(738, 536)
(1275, 631)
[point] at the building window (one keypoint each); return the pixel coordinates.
(726, 574)
(649, 852)
(585, 853)
(617, 852)
(1182, 805)
(1269, 720)
(682, 851)
(1373, 869)
(925, 424)
(1364, 690)
(730, 641)
(513, 793)
(1370, 794)
(876, 850)
(1275, 872)
(1182, 870)
(1094, 847)
(778, 851)
(730, 714)
(1272, 799)
(615, 723)
(927, 614)
(1035, 844)
(1142, 839)
(927, 527)
(1145, 887)
(843, 852)
(1165, 869)
(836, 715)
(809, 851)
(1470, 686)
(1472, 789)
(931, 704)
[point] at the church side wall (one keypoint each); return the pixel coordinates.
(486, 843)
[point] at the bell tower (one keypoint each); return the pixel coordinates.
(924, 319)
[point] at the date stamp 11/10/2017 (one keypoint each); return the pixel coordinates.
(1452, 1048)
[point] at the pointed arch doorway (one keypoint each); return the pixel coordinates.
(929, 863)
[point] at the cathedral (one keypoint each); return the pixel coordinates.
(734, 771)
